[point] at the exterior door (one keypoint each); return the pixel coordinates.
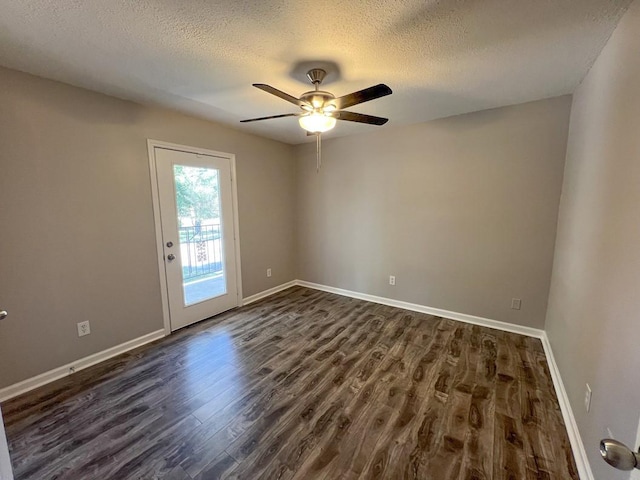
(197, 217)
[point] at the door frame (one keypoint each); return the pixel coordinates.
(6, 471)
(164, 288)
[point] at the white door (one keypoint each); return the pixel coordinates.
(5, 462)
(635, 474)
(197, 217)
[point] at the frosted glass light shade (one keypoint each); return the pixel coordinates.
(317, 122)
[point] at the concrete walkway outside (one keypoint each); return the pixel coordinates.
(200, 290)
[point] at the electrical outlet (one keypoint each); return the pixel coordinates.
(516, 303)
(392, 280)
(587, 398)
(268, 272)
(84, 328)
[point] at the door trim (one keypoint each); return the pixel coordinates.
(153, 176)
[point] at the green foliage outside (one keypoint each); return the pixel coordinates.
(197, 193)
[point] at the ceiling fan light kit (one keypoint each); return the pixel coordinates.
(317, 122)
(320, 110)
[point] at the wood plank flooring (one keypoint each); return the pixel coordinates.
(302, 385)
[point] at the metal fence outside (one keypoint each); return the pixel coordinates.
(201, 250)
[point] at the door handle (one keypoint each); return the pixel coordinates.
(3, 314)
(618, 455)
(171, 257)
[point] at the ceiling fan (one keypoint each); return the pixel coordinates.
(320, 109)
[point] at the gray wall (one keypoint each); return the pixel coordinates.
(78, 239)
(594, 304)
(462, 211)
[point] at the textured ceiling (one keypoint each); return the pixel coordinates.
(441, 58)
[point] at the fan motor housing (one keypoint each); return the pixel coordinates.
(317, 98)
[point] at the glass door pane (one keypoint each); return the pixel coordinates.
(200, 233)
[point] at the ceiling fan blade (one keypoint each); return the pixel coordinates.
(360, 118)
(272, 116)
(361, 96)
(279, 93)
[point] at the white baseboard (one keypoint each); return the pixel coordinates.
(60, 372)
(269, 292)
(579, 452)
(462, 317)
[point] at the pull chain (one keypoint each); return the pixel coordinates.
(318, 153)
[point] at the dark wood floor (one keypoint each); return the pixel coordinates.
(302, 385)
